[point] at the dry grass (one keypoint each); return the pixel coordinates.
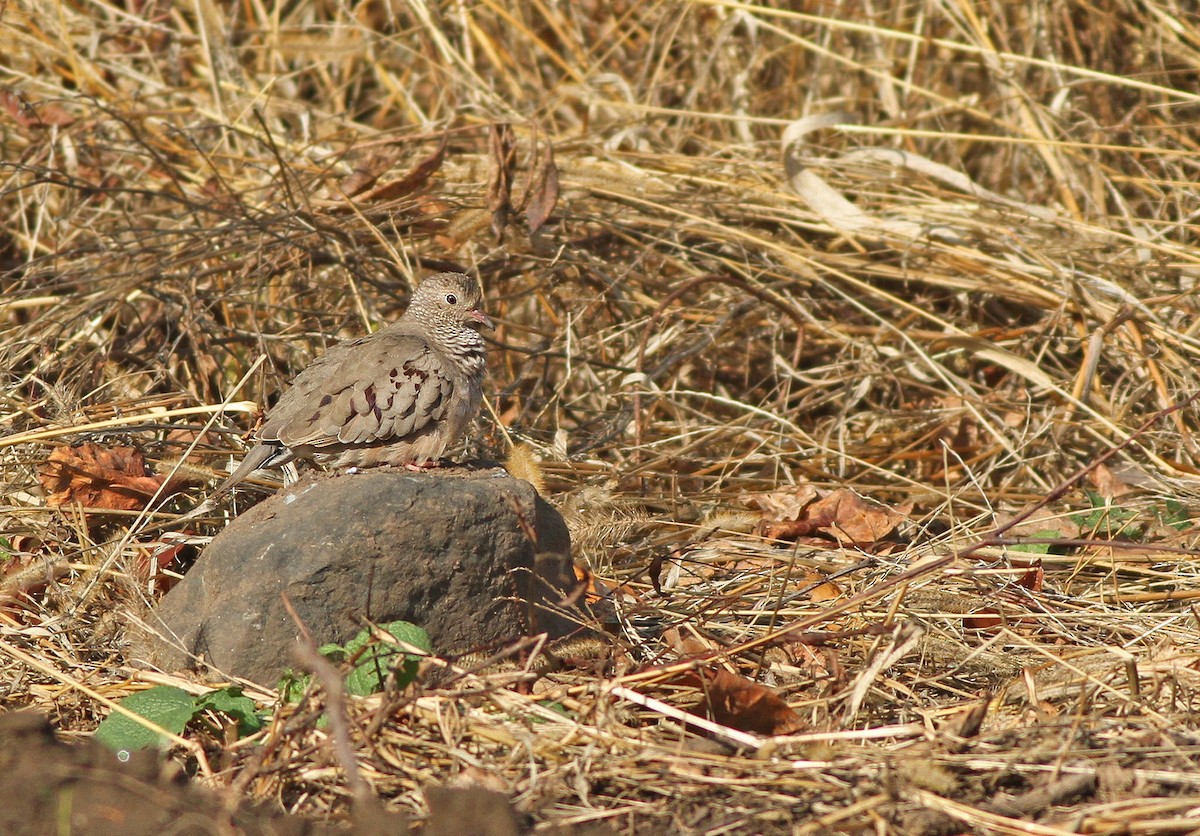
(950, 300)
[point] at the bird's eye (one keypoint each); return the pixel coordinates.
(451, 299)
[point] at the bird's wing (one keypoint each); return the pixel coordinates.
(379, 389)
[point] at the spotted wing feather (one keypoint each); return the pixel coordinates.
(380, 389)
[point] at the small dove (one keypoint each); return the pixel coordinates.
(400, 396)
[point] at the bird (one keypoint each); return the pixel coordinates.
(400, 396)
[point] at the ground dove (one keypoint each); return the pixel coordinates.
(400, 396)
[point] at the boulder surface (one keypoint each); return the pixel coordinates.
(472, 558)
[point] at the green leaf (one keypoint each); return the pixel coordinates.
(556, 707)
(373, 665)
(370, 673)
(412, 635)
(1175, 514)
(292, 685)
(409, 634)
(168, 707)
(1042, 548)
(233, 702)
(1106, 520)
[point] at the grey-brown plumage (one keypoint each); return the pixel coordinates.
(399, 396)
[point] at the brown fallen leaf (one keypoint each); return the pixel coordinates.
(743, 704)
(817, 662)
(1035, 575)
(367, 171)
(429, 213)
(99, 477)
(416, 177)
(543, 193)
(499, 193)
(786, 504)
(990, 618)
(824, 590)
(1110, 483)
(150, 565)
(684, 645)
(844, 516)
(27, 115)
(18, 551)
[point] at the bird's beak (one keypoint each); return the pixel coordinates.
(483, 319)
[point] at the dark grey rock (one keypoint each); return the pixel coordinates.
(451, 553)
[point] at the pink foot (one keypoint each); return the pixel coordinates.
(419, 467)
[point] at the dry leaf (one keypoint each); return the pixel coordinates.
(842, 515)
(986, 619)
(150, 564)
(684, 645)
(410, 182)
(499, 194)
(23, 551)
(98, 477)
(1108, 483)
(785, 505)
(824, 590)
(430, 210)
(817, 662)
(1034, 577)
(544, 193)
(852, 520)
(29, 116)
(742, 704)
(990, 619)
(367, 172)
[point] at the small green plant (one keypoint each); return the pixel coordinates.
(372, 666)
(171, 709)
(1107, 520)
(1045, 534)
(1104, 519)
(555, 706)
(234, 704)
(1175, 514)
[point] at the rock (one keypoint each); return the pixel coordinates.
(47, 786)
(454, 811)
(449, 552)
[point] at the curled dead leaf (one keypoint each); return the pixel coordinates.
(39, 116)
(99, 477)
(415, 179)
(499, 192)
(842, 515)
(684, 645)
(742, 704)
(367, 172)
(543, 196)
(824, 590)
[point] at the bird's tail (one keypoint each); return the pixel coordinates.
(264, 454)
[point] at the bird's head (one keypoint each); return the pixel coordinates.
(447, 302)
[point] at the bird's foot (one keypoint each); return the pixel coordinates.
(428, 464)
